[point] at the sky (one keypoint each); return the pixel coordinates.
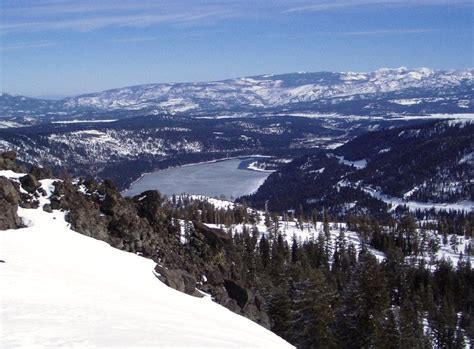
(60, 47)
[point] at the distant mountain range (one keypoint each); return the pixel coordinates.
(382, 92)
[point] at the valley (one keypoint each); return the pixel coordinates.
(125, 149)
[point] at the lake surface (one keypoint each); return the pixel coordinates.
(227, 177)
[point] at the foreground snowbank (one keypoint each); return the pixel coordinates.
(63, 289)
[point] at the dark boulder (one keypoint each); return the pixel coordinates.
(28, 201)
(29, 183)
(148, 205)
(55, 202)
(9, 155)
(41, 172)
(8, 192)
(87, 221)
(83, 212)
(214, 237)
(125, 223)
(109, 184)
(251, 306)
(8, 162)
(111, 205)
(9, 199)
(237, 292)
(131, 228)
(178, 279)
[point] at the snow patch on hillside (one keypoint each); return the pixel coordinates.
(412, 101)
(467, 159)
(75, 121)
(359, 164)
(466, 205)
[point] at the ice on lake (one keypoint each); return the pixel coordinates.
(228, 178)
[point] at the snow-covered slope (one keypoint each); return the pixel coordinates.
(270, 90)
(384, 92)
(63, 289)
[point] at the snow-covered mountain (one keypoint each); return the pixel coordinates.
(64, 289)
(266, 91)
(384, 91)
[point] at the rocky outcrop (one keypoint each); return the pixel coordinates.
(101, 212)
(214, 237)
(29, 183)
(178, 279)
(240, 294)
(82, 211)
(250, 305)
(8, 162)
(148, 206)
(41, 172)
(9, 200)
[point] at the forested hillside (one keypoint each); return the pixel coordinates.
(417, 167)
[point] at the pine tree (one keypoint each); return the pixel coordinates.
(313, 311)
(279, 310)
(364, 304)
(264, 250)
(387, 333)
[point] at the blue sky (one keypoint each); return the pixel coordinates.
(59, 47)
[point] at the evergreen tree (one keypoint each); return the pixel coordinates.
(313, 311)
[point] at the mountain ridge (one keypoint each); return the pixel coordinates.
(269, 75)
(406, 90)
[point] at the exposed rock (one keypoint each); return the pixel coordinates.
(83, 212)
(109, 184)
(178, 279)
(10, 155)
(237, 292)
(55, 202)
(47, 208)
(214, 237)
(148, 205)
(125, 222)
(8, 162)
(28, 202)
(29, 183)
(88, 222)
(8, 192)
(253, 312)
(41, 172)
(9, 199)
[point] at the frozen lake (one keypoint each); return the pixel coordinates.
(227, 177)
